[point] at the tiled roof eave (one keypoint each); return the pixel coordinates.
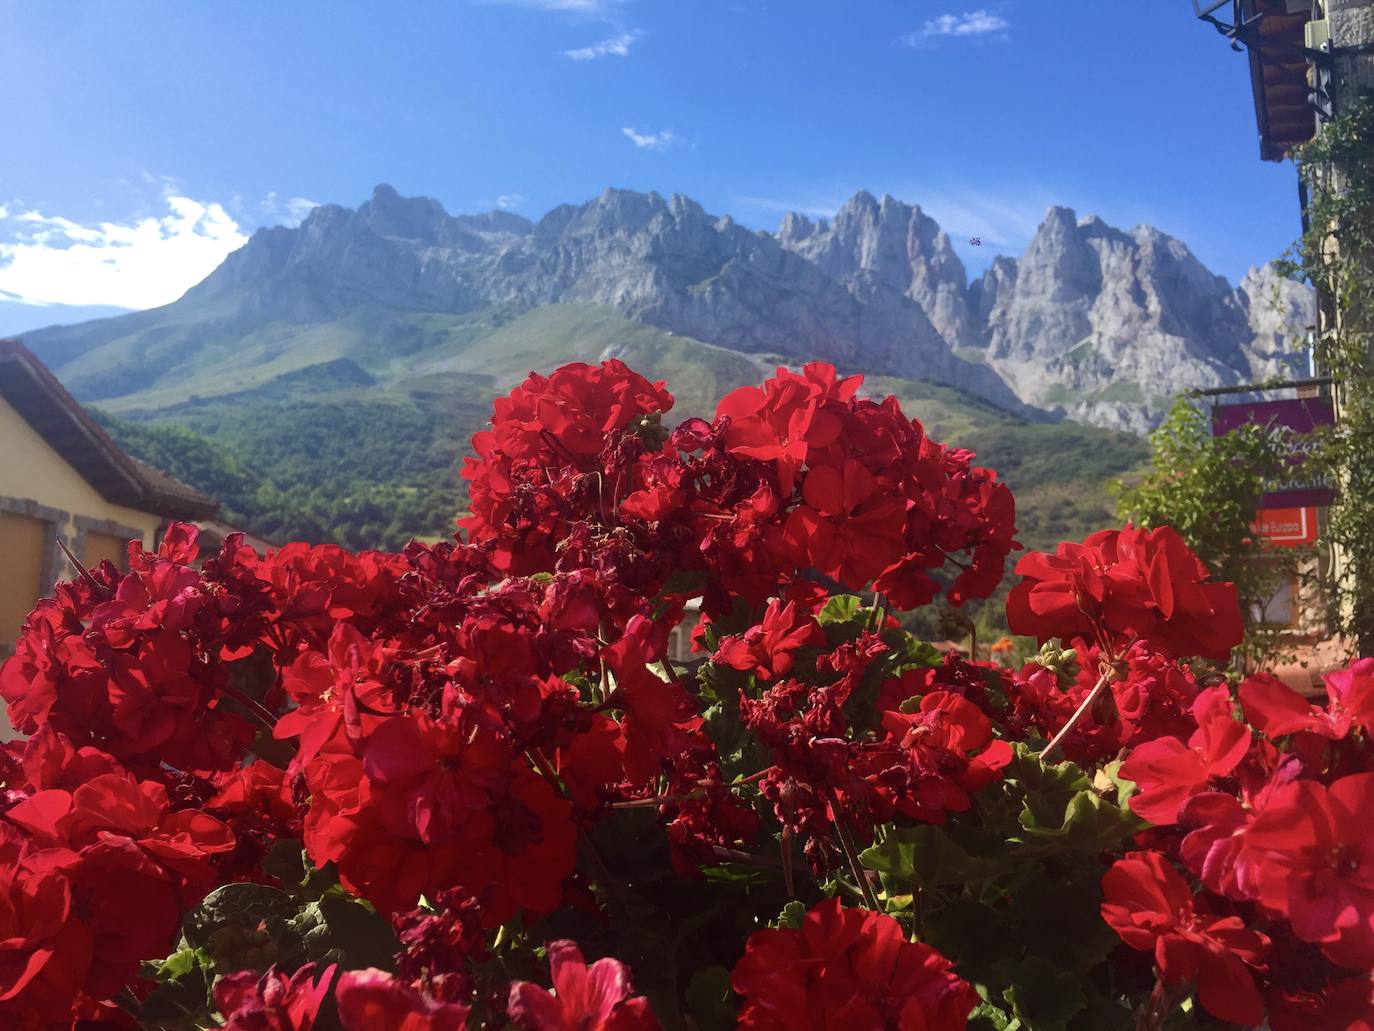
(28, 386)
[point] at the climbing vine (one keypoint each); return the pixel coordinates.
(1336, 255)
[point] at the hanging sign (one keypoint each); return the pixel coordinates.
(1286, 527)
(1295, 420)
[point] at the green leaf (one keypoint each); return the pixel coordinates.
(243, 927)
(710, 999)
(909, 651)
(792, 915)
(178, 964)
(1042, 996)
(987, 1017)
(340, 930)
(1124, 788)
(289, 863)
(842, 608)
(181, 1001)
(1051, 785)
(735, 873)
(1090, 823)
(711, 638)
(927, 857)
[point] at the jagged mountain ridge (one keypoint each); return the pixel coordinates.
(665, 262)
(1080, 322)
(1106, 325)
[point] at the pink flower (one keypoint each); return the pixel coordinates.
(584, 998)
(273, 1001)
(373, 1000)
(1276, 709)
(1316, 850)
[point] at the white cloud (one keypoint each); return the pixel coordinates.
(508, 201)
(973, 23)
(290, 212)
(1004, 219)
(822, 209)
(616, 46)
(143, 263)
(661, 140)
(298, 207)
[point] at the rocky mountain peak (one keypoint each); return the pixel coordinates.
(892, 243)
(795, 227)
(387, 213)
(682, 206)
(1110, 325)
(1102, 324)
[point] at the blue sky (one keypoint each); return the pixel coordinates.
(145, 139)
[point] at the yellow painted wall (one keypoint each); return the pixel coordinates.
(30, 468)
(22, 544)
(106, 546)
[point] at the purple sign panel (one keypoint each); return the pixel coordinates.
(1294, 419)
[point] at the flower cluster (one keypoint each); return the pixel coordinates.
(847, 968)
(1267, 816)
(472, 785)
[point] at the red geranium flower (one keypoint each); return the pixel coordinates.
(847, 968)
(1347, 1005)
(1123, 585)
(584, 998)
(1276, 709)
(1315, 850)
(45, 951)
(1151, 907)
(932, 760)
(370, 1000)
(849, 528)
(273, 1001)
(766, 649)
(782, 421)
(1169, 772)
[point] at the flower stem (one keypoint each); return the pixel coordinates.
(847, 843)
(85, 573)
(255, 708)
(787, 878)
(1097, 690)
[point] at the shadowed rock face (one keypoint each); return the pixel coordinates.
(1102, 323)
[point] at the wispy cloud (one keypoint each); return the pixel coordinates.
(1004, 216)
(289, 212)
(47, 259)
(777, 205)
(956, 26)
(509, 201)
(660, 141)
(616, 46)
(1004, 219)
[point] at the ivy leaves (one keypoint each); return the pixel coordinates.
(253, 926)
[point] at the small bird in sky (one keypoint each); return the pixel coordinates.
(977, 241)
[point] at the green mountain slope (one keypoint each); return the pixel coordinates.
(362, 444)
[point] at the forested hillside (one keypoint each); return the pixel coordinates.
(373, 468)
